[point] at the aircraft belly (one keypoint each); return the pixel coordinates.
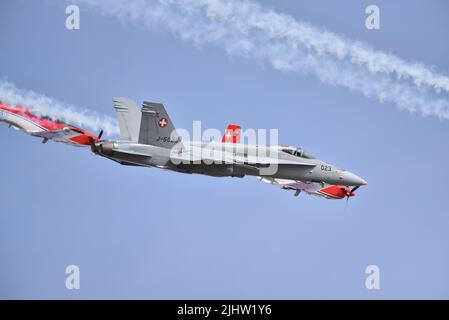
(131, 158)
(216, 170)
(160, 161)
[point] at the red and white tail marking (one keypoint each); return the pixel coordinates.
(232, 134)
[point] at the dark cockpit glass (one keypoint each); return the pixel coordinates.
(298, 152)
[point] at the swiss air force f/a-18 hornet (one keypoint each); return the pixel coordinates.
(149, 139)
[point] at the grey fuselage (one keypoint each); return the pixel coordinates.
(228, 160)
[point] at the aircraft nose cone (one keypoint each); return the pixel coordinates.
(351, 179)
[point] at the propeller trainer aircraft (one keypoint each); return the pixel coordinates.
(149, 139)
(44, 127)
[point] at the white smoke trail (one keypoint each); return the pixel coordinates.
(245, 28)
(42, 105)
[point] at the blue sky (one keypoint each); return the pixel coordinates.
(148, 233)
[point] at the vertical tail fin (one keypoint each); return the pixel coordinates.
(156, 127)
(128, 118)
(232, 134)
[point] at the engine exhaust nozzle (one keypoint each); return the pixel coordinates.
(103, 147)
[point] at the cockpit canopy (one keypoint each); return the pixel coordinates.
(297, 152)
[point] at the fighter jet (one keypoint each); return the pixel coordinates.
(149, 139)
(44, 127)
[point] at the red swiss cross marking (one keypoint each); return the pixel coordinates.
(162, 122)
